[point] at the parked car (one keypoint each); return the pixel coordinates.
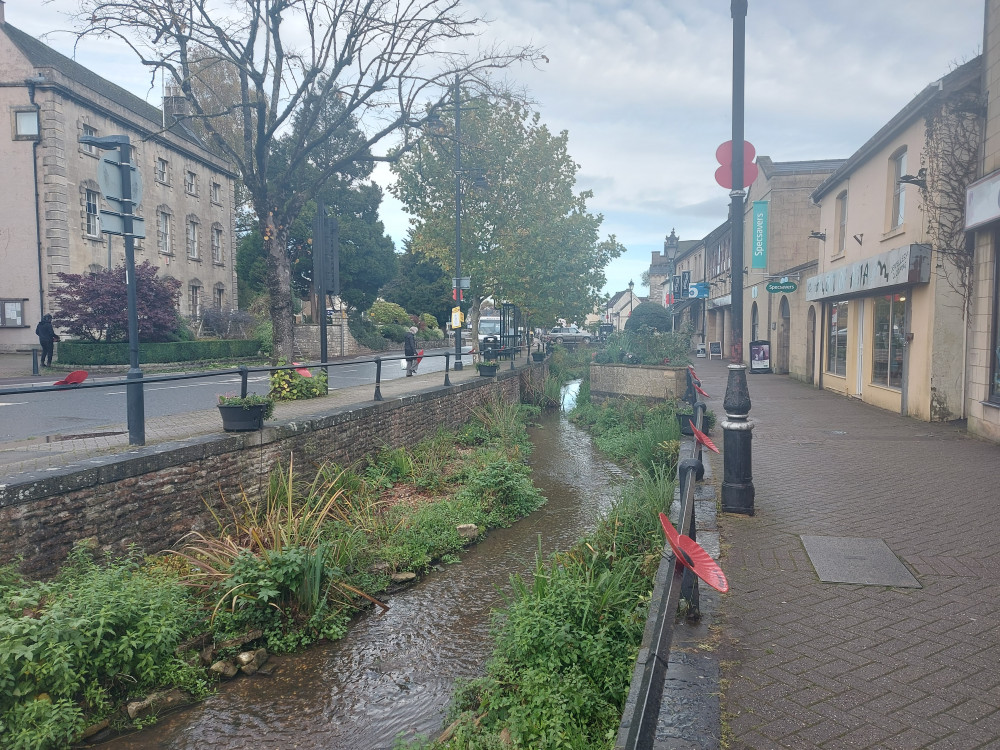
(567, 335)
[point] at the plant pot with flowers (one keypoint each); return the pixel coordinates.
(245, 413)
(488, 368)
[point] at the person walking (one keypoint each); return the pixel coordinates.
(46, 337)
(410, 350)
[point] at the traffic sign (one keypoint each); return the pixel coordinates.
(112, 222)
(781, 287)
(109, 177)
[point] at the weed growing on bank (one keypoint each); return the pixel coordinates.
(567, 639)
(281, 572)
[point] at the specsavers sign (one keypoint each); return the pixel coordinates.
(758, 235)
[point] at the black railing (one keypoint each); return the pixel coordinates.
(674, 581)
(242, 371)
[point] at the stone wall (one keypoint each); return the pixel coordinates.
(339, 341)
(652, 382)
(153, 496)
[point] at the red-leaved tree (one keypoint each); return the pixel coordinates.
(94, 306)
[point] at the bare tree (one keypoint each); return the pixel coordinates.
(386, 63)
(949, 164)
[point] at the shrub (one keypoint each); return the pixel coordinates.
(394, 333)
(104, 353)
(645, 347)
(429, 322)
(289, 385)
(650, 315)
(383, 313)
(94, 306)
(366, 333)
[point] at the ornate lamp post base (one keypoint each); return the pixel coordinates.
(737, 481)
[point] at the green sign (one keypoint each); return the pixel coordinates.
(781, 287)
(758, 241)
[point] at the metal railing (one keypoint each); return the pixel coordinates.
(637, 730)
(242, 371)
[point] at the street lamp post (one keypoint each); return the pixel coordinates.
(631, 284)
(458, 217)
(670, 247)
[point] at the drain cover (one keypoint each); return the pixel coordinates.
(841, 559)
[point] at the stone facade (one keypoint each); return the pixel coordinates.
(51, 222)
(654, 383)
(153, 496)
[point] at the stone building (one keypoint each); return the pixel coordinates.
(50, 221)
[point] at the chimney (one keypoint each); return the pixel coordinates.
(175, 106)
(2, 20)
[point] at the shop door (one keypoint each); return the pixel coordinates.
(784, 326)
(811, 344)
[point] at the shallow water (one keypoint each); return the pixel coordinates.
(394, 672)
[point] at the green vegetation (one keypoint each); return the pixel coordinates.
(646, 347)
(289, 385)
(251, 399)
(116, 353)
(567, 640)
(292, 566)
(650, 315)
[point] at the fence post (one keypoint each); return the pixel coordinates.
(378, 379)
(447, 360)
(244, 372)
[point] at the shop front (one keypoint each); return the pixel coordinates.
(870, 310)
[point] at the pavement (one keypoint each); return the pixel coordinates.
(804, 663)
(810, 664)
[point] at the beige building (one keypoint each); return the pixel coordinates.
(779, 253)
(982, 219)
(50, 220)
(891, 324)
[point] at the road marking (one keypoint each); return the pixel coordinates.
(214, 384)
(13, 403)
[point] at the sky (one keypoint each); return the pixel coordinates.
(644, 89)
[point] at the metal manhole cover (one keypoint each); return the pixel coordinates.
(840, 559)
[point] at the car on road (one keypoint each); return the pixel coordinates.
(567, 335)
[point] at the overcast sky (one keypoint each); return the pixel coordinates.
(644, 88)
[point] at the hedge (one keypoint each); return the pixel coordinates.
(103, 353)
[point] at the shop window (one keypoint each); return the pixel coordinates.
(889, 340)
(994, 396)
(836, 326)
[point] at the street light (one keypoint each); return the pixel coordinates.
(630, 285)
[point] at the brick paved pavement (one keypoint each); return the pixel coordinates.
(817, 665)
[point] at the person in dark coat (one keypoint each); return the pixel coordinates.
(46, 337)
(410, 350)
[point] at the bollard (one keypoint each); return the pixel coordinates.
(34, 362)
(244, 372)
(737, 480)
(378, 379)
(447, 359)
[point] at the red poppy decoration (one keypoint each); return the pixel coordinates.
(693, 373)
(693, 556)
(303, 371)
(74, 378)
(702, 438)
(420, 356)
(698, 388)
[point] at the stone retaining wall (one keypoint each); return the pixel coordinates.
(152, 496)
(651, 382)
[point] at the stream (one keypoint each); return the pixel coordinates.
(393, 674)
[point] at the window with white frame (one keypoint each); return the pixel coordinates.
(91, 131)
(842, 222)
(194, 300)
(190, 183)
(219, 296)
(836, 328)
(11, 313)
(163, 243)
(897, 168)
(889, 340)
(162, 170)
(26, 126)
(216, 193)
(192, 238)
(93, 203)
(217, 243)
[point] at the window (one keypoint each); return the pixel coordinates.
(217, 244)
(162, 170)
(194, 300)
(26, 124)
(836, 362)
(216, 193)
(11, 313)
(86, 147)
(190, 183)
(192, 238)
(841, 223)
(994, 391)
(163, 232)
(889, 340)
(93, 199)
(219, 296)
(897, 167)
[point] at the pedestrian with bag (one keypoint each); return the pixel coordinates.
(410, 350)
(47, 338)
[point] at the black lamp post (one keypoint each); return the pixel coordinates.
(458, 218)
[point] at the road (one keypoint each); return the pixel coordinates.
(81, 412)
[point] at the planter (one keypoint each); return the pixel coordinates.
(240, 419)
(488, 371)
(538, 356)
